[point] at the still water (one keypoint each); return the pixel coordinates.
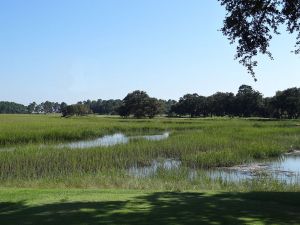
(286, 168)
(147, 171)
(110, 140)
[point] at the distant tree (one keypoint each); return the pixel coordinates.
(82, 110)
(204, 106)
(176, 110)
(252, 24)
(31, 107)
(77, 109)
(111, 106)
(62, 106)
(287, 103)
(152, 107)
(168, 106)
(222, 104)
(123, 111)
(38, 108)
(139, 104)
(87, 103)
(68, 111)
(47, 107)
(105, 107)
(96, 106)
(12, 107)
(191, 104)
(248, 101)
(269, 108)
(165, 106)
(135, 103)
(56, 107)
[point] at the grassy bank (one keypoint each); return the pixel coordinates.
(77, 207)
(30, 158)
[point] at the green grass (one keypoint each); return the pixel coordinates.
(79, 207)
(198, 143)
(63, 184)
(24, 129)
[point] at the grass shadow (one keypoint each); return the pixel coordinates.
(162, 208)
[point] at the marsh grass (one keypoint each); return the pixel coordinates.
(197, 143)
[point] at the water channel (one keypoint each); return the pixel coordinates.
(110, 140)
(285, 168)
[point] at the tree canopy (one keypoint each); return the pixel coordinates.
(139, 104)
(247, 102)
(252, 24)
(76, 109)
(12, 107)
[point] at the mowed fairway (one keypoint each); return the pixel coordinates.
(43, 184)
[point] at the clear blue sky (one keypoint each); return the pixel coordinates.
(71, 50)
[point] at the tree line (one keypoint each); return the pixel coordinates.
(246, 103)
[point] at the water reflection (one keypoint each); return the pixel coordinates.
(107, 140)
(156, 137)
(147, 171)
(286, 169)
(110, 140)
(287, 163)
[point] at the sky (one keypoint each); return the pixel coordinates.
(73, 50)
